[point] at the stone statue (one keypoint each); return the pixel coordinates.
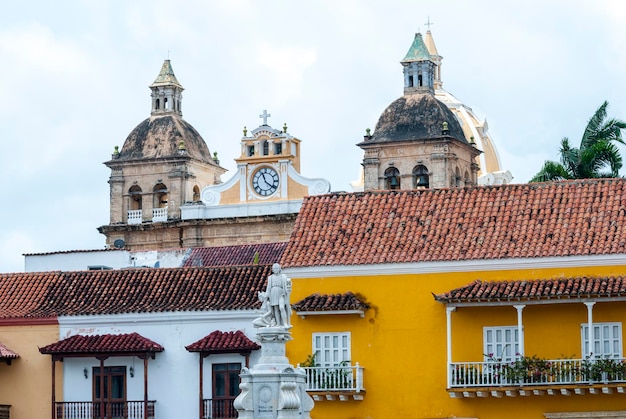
(275, 308)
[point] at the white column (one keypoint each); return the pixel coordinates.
(520, 327)
(449, 311)
(590, 326)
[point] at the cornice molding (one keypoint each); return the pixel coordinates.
(455, 266)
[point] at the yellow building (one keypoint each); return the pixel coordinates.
(24, 373)
(389, 280)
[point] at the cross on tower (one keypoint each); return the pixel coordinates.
(428, 23)
(264, 116)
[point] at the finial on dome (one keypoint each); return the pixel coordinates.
(215, 158)
(245, 131)
(116, 152)
(367, 131)
(444, 128)
(285, 128)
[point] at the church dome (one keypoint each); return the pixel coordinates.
(416, 117)
(161, 136)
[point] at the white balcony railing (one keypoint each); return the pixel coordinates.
(135, 217)
(159, 215)
(537, 372)
(347, 378)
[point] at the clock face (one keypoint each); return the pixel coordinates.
(265, 181)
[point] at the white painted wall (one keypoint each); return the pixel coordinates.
(173, 375)
(115, 259)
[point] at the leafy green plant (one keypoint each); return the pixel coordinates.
(603, 369)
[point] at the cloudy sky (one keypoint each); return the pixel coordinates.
(74, 82)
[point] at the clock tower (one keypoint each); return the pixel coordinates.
(267, 182)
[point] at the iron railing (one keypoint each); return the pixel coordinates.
(340, 378)
(106, 410)
(218, 408)
(536, 371)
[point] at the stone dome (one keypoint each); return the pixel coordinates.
(160, 137)
(416, 117)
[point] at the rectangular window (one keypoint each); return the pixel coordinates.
(278, 148)
(266, 148)
(606, 340)
(250, 150)
(500, 343)
(331, 349)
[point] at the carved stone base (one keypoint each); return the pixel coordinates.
(273, 389)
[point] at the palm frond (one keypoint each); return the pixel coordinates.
(551, 171)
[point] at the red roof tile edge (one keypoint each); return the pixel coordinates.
(82, 344)
(219, 341)
(538, 289)
(331, 302)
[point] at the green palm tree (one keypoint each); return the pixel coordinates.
(596, 157)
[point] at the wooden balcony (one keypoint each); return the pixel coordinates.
(335, 383)
(534, 376)
(105, 410)
(218, 408)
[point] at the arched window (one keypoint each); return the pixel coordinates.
(420, 177)
(392, 178)
(458, 182)
(419, 80)
(135, 197)
(410, 81)
(160, 196)
(166, 104)
(266, 148)
(196, 193)
(468, 181)
(157, 104)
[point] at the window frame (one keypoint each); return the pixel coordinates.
(325, 354)
(615, 341)
(504, 350)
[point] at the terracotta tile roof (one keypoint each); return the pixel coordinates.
(585, 217)
(544, 289)
(143, 290)
(6, 353)
(331, 302)
(80, 344)
(224, 342)
(235, 255)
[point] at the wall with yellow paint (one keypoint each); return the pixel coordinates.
(401, 343)
(26, 384)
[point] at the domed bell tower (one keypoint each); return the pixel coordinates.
(163, 164)
(418, 142)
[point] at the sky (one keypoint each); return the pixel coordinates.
(74, 79)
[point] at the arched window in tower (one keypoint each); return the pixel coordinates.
(266, 148)
(419, 80)
(160, 196)
(420, 177)
(157, 104)
(166, 104)
(392, 178)
(135, 197)
(468, 181)
(458, 181)
(410, 81)
(196, 193)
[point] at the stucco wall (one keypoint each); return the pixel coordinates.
(401, 343)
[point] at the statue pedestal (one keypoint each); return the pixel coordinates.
(273, 388)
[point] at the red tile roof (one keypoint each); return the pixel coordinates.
(224, 342)
(142, 290)
(235, 255)
(102, 344)
(544, 289)
(6, 353)
(331, 302)
(535, 220)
